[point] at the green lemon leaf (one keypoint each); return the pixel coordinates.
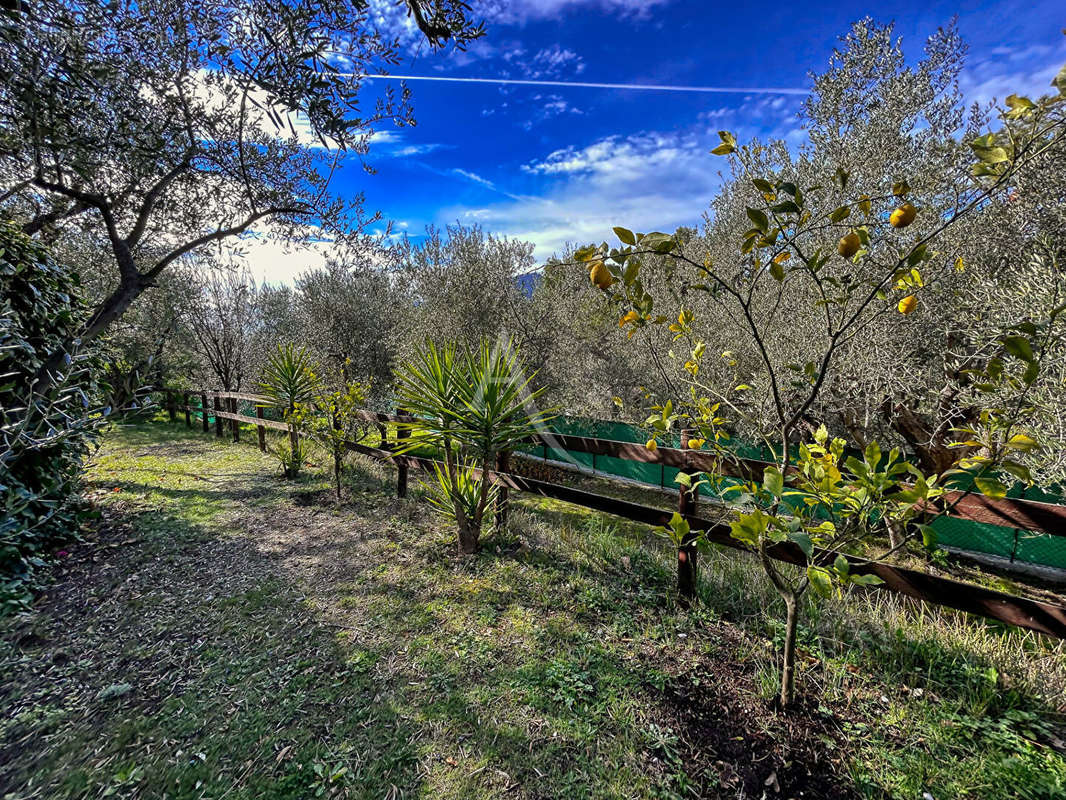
(990, 487)
(773, 481)
(758, 219)
(821, 580)
(840, 214)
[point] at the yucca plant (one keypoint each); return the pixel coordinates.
(464, 492)
(470, 405)
(291, 457)
(288, 380)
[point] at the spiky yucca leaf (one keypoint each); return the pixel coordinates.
(480, 401)
(466, 491)
(289, 378)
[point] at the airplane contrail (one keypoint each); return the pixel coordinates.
(644, 87)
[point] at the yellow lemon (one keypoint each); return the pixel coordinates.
(903, 216)
(601, 276)
(652, 445)
(907, 304)
(849, 245)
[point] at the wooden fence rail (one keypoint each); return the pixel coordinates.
(1022, 612)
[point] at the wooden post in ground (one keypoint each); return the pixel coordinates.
(203, 412)
(261, 430)
(171, 410)
(503, 464)
(188, 412)
(235, 425)
(686, 554)
(218, 419)
(401, 468)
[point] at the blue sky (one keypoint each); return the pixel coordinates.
(552, 164)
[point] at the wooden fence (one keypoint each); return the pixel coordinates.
(1021, 612)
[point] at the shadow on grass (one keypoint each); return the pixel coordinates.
(201, 672)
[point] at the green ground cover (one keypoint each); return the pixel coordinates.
(222, 633)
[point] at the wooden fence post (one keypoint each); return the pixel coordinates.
(503, 464)
(188, 412)
(261, 430)
(171, 410)
(235, 425)
(218, 419)
(203, 412)
(686, 554)
(401, 468)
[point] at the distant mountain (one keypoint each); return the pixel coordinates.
(528, 282)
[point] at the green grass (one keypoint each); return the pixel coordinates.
(231, 634)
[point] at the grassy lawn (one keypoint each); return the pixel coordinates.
(222, 633)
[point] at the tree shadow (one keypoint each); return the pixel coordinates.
(203, 645)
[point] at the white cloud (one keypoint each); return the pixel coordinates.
(617, 158)
(513, 12)
(554, 61)
(473, 176)
(274, 260)
(216, 92)
(1023, 70)
(652, 180)
(392, 144)
(385, 137)
(392, 19)
(415, 150)
(649, 181)
(548, 63)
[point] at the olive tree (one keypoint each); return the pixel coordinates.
(350, 313)
(167, 125)
(463, 287)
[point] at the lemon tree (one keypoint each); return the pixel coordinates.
(853, 257)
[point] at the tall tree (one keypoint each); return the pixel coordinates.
(222, 314)
(464, 286)
(349, 310)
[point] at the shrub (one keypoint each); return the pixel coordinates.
(47, 388)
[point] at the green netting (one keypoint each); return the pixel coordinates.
(653, 474)
(976, 537)
(1041, 548)
(1032, 547)
(1027, 546)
